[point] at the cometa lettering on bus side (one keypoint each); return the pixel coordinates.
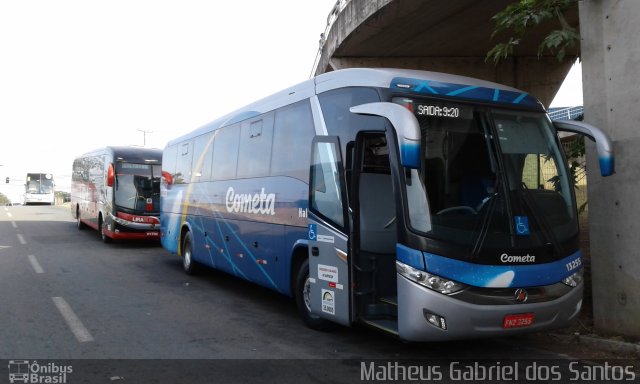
(259, 203)
(505, 258)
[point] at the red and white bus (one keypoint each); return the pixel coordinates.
(116, 191)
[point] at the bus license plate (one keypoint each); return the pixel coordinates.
(517, 321)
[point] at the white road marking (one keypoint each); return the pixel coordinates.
(79, 330)
(21, 239)
(9, 214)
(6, 209)
(34, 263)
(13, 224)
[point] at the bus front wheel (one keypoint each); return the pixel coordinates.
(103, 233)
(303, 300)
(189, 266)
(79, 222)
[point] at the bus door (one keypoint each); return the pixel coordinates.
(329, 261)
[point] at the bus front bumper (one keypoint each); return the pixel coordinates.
(464, 320)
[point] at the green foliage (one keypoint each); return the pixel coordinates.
(4, 200)
(523, 15)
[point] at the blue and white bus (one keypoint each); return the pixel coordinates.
(427, 205)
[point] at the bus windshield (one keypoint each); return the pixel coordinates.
(137, 187)
(494, 179)
(39, 183)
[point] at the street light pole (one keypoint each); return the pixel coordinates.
(144, 135)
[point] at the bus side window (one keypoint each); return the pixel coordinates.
(225, 152)
(202, 154)
(254, 154)
(183, 166)
(326, 195)
(292, 135)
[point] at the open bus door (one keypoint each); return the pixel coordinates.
(328, 226)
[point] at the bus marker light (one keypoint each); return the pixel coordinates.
(111, 175)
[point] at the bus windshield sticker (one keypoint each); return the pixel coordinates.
(522, 225)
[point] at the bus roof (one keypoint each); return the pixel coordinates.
(130, 154)
(402, 80)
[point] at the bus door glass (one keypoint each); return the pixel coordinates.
(329, 294)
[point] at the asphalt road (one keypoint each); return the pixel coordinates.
(66, 295)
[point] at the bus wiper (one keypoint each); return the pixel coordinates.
(487, 218)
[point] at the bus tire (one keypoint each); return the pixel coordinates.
(302, 290)
(79, 224)
(188, 264)
(101, 229)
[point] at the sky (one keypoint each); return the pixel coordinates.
(76, 75)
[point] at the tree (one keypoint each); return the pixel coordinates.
(523, 15)
(4, 200)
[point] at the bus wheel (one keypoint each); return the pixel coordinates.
(303, 301)
(189, 266)
(79, 222)
(103, 234)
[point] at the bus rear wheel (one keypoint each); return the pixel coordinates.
(303, 300)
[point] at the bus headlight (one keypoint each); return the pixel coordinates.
(574, 279)
(434, 282)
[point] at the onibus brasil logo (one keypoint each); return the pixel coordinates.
(24, 371)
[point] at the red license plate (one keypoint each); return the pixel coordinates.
(517, 321)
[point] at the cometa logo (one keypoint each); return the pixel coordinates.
(259, 203)
(506, 258)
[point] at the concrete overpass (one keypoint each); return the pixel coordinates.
(445, 36)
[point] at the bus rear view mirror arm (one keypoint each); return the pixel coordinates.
(604, 146)
(405, 124)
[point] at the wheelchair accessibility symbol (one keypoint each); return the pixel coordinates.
(313, 231)
(522, 225)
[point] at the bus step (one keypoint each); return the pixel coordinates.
(390, 300)
(380, 310)
(386, 325)
(365, 292)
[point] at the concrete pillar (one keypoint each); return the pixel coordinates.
(611, 85)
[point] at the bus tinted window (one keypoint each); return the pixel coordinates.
(183, 165)
(255, 147)
(292, 141)
(225, 152)
(169, 160)
(340, 121)
(202, 155)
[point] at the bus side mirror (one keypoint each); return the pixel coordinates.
(111, 175)
(167, 177)
(406, 127)
(604, 146)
